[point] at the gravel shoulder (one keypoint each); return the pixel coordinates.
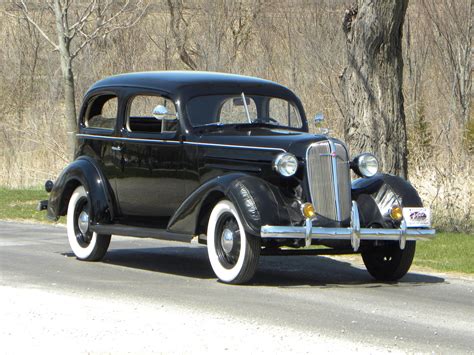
(57, 322)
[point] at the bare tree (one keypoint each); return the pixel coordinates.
(452, 26)
(77, 25)
(181, 33)
(212, 35)
(372, 82)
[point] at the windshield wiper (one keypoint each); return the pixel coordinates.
(210, 125)
(256, 124)
(246, 107)
(219, 125)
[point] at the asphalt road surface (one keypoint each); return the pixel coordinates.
(153, 296)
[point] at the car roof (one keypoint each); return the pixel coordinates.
(174, 81)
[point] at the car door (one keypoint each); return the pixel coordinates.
(150, 186)
(98, 133)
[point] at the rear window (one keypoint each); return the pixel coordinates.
(102, 112)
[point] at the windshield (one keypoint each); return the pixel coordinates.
(243, 109)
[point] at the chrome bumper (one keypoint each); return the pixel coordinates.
(354, 233)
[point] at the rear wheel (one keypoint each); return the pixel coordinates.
(85, 244)
(232, 252)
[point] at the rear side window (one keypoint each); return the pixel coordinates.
(152, 114)
(102, 112)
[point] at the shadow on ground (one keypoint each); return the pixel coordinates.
(275, 271)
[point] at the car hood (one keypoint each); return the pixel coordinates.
(290, 141)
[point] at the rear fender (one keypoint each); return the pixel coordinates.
(83, 171)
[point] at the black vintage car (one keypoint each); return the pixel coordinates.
(227, 160)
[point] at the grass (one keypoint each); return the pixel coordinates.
(448, 252)
(20, 204)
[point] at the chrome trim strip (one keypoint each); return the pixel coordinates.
(335, 179)
(94, 136)
(122, 139)
(235, 146)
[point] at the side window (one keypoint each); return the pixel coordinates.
(233, 110)
(284, 112)
(152, 114)
(102, 112)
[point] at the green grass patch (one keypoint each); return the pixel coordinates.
(20, 204)
(447, 252)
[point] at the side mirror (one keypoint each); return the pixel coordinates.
(318, 121)
(168, 120)
(161, 113)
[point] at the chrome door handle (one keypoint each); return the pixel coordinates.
(116, 148)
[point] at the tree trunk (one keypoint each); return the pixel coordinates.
(64, 41)
(372, 82)
(69, 104)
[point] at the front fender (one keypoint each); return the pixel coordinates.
(383, 191)
(83, 171)
(253, 197)
(382, 184)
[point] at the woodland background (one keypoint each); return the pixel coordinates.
(299, 43)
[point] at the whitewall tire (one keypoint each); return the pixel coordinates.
(85, 244)
(232, 252)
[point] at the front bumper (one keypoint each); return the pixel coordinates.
(354, 233)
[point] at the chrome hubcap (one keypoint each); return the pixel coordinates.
(83, 222)
(227, 240)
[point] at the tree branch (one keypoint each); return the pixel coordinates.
(25, 12)
(107, 26)
(77, 27)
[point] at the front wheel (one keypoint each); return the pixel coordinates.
(389, 262)
(85, 244)
(232, 252)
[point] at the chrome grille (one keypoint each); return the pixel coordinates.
(329, 179)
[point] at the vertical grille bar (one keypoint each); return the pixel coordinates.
(329, 179)
(344, 181)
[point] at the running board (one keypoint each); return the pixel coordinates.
(140, 232)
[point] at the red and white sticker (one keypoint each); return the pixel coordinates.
(417, 216)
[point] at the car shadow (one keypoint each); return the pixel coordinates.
(324, 271)
(274, 271)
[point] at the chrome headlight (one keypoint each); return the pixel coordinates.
(286, 164)
(365, 165)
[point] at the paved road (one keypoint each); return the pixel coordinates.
(164, 292)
